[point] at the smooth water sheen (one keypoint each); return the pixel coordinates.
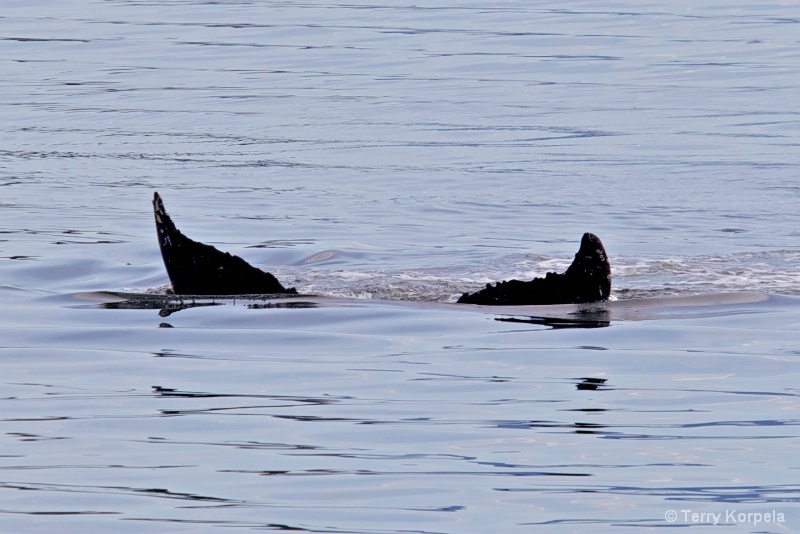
(387, 158)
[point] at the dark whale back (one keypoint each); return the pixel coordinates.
(198, 269)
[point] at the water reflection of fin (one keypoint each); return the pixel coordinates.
(588, 279)
(198, 269)
(592, 384)
(169, 304)
(595, 321)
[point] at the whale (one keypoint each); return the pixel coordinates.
(195, 268)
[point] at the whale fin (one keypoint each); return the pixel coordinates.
(588, 279)
(198, 269)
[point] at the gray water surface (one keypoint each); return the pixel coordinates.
(388, 157)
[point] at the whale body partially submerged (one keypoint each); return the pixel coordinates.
(195, 268)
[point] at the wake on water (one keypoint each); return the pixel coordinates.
(774, 272)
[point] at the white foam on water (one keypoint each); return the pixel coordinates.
(768, 272)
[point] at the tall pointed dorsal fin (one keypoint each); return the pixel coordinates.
(195, 268)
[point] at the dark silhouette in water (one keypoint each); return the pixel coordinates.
(199, 269)
(588, 279)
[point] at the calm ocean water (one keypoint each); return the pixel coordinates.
(388, 157)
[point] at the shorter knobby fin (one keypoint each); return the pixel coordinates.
(198, 269)
(588, 279)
